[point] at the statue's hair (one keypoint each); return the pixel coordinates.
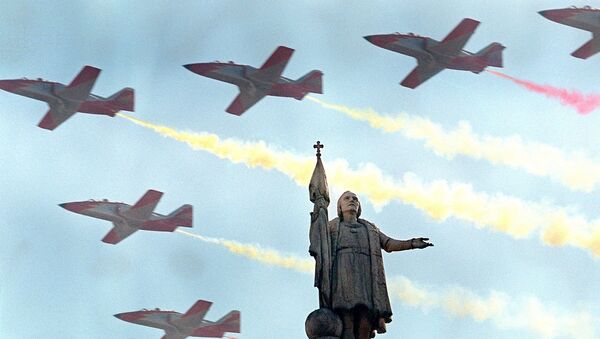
(339, 208)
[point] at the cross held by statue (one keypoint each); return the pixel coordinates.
(318, 146)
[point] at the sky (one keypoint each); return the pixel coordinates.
(483, 279)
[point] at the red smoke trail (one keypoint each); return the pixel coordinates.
(583, 103)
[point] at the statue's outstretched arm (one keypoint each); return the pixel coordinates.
(394, 245)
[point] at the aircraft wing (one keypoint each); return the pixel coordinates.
(421, 73)
(144, 207)
(590, 48)
(457, 39)
(119, 232)
(246, 99)
(195, 315)
(174, 336)
(81, 86)
(271, 70)
(56, 116)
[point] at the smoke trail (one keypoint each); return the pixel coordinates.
(255, 252)
(583, 103)
(502, 310)
(439, 199)
(575, 171)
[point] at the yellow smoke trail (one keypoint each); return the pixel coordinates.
(573, 170)
(255, 252)
(504, 311)
(499, 308)
(439, 199)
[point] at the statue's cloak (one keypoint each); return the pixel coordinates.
(379, 293)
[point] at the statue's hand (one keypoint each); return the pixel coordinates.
(420, 243)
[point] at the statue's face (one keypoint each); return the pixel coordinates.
(349, 202)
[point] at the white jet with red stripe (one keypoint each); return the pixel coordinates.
(128, 219)
(189, 324)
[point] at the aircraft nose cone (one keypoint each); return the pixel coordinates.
(129, 316)
(557, 15)
(380, 40)
(201, 68)
(76, 207)
(66, 206)
(8, 85)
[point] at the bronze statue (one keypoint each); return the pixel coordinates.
(349, 269)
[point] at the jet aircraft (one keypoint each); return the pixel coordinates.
(433, 56)
(64, 101)
(585, 18)
(254, 84)
(127, 219)
(189, 324)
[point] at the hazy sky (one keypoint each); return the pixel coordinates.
(58, 280)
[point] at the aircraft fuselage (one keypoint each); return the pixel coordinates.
(246, 76)
(53, 94)
(583, 18)
(110, 211)
(421, 48)
(168, 321)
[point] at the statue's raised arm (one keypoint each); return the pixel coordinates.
(320, 247)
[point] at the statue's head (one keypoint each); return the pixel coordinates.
(348, 202)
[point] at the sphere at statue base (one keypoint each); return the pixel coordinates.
(323, 324)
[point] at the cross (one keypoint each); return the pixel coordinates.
(318, 146)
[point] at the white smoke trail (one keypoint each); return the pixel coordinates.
(576, 170)
(502, 310)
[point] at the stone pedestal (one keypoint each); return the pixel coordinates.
(323, 324)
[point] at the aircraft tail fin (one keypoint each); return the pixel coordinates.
(311, 82)
(183, 216)
(589, 48)
(124, 99)
(492, 54)
(230, 322)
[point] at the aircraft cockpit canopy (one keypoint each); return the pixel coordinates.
(585, 7)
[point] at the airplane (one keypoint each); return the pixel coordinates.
(433, 56)
(189, 324)
(585, 18)
(64, 101)
(127, 219)
(254, 84)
